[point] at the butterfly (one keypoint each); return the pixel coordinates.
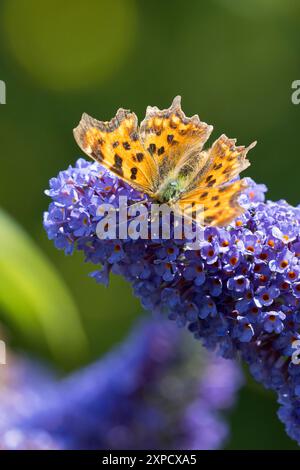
(164, 158)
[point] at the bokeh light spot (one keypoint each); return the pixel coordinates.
(70, 44)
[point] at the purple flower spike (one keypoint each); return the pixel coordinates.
(238, 293)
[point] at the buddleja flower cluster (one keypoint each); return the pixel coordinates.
(144, 395)
(239, 292)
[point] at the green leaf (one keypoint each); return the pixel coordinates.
(35, 298)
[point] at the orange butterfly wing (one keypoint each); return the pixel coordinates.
(171, 137)
(224, 162)
(211, 195)
(167, 146)
(214, 206)
(116, 145)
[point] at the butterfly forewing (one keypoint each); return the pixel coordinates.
(116, 145)
(172, 138)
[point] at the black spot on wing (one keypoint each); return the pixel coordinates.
(211, 183)
(134, 171)
(217, 166)
(152, 149)
(126, 145)
(140, 156)
(117, 166)
(118, 161)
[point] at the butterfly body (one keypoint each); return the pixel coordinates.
(169, 192)
(164, 158)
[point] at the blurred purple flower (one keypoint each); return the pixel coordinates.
(24, 386)
(155, 391)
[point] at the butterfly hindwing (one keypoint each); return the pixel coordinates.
(224, 162)
(116, 145)
(215, 206)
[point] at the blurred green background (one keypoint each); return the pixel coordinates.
(232, 61)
